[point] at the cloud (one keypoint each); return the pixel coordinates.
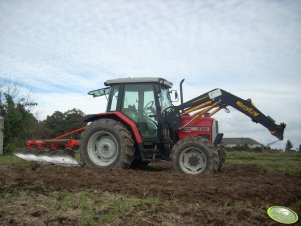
(67, 101)
(249, 48)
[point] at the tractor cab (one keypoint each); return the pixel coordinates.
(140, 99)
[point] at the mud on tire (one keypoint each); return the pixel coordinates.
(107, 143)
(194, 155)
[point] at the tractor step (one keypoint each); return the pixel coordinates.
(148, 152)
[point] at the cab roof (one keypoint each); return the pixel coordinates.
(139, 80)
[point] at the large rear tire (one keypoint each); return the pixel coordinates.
(194, 155)
(107, 143)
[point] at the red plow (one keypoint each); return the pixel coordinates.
(59, 150)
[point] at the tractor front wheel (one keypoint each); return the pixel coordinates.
(107, 143)
(194, 155)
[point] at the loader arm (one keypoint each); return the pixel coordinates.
(211, 102)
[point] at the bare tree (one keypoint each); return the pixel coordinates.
(16, 91)
(15, 108)
(8, 86)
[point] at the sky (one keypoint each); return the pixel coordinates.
(60, 50)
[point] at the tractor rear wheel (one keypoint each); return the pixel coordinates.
(107, 143)
(222, 156)
(194, 155)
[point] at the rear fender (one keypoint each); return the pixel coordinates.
(119, 117)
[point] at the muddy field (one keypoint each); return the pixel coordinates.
(239, 195)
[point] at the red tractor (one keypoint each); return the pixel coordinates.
(141, 124)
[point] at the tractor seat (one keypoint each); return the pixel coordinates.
(131, 112)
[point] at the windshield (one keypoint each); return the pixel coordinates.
(164, 98)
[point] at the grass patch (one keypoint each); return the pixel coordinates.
(82, 208)
(10, 159)
(274, 161)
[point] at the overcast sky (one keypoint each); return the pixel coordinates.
(60, 50)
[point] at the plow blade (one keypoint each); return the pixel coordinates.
(54, 157)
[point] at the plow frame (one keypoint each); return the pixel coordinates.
(57, 142)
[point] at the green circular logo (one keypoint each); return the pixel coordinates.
(282, 214)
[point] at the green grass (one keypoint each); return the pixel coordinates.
(274, 161)
(10, 159)
(81, 207)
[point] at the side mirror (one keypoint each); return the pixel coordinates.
(175, 94)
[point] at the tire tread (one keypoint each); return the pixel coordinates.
(127, 145)
(213, 161)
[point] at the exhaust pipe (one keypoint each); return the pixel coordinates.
(181, 90)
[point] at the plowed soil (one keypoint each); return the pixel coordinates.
(238, 195)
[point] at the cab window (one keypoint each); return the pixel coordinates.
(164, 99)
(139, 105)
(113, 98)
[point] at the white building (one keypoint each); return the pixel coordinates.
(241, 142)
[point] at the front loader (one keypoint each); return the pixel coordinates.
(141, 124)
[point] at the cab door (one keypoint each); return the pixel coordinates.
(139, 104)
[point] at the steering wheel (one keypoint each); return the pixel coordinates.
(149, 106)
(167, 110)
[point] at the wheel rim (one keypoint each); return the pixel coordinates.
(193, 161)
(102, 148)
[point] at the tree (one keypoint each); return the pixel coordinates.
(288, 146)
(59, 123)
(54, 124)
(18, 119)
(74, 119)
(17, 93)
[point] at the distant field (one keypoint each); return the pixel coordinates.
(275, 161)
